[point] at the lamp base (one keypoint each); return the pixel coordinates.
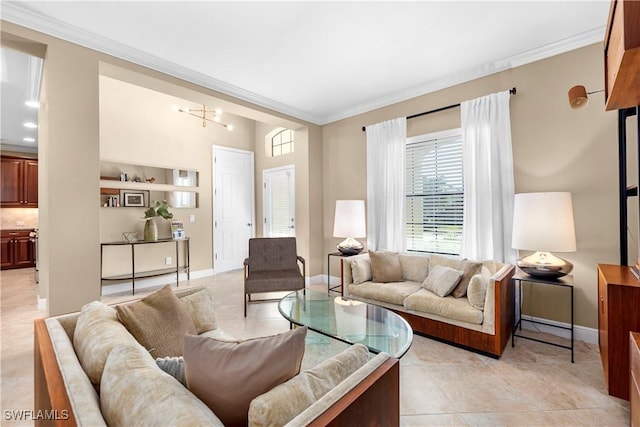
(544, 265)
(350, 246)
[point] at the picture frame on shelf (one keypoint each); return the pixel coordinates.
(138, 199)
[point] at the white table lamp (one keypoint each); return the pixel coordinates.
(543, 222)
(349, 222)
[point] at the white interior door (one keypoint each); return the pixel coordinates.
(279, 202)
(234, 212)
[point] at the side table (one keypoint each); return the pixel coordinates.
(518, 278)
(341, 285)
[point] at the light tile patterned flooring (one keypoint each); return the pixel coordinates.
(532, 384)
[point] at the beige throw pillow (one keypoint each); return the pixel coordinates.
(442, 280)
(228, 376)
(477, 291)
(385, 267)
(361, 270)
(284, 402)
(135, 391)
(97, 332)
(200, 306)
(469, 269)
(159, 322)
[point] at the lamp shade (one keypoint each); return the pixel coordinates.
(349, 219)
(544, 222)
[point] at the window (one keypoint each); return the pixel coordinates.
(434, 192)
(282, 142)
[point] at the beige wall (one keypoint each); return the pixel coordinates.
(555, 149)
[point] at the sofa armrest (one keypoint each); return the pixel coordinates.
(346, 268)
(503, 304)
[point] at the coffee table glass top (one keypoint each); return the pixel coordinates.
(349, 321)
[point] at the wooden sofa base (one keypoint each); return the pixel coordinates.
(373, 402)
(492, 345)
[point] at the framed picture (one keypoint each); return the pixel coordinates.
(135, 199)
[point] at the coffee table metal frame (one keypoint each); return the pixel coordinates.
(288, 304)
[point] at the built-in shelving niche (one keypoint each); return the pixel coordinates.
(144, 184)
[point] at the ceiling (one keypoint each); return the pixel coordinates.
(321, 61)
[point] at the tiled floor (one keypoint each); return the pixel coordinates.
(532, 384)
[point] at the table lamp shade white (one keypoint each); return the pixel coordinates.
(349, 222)
(543, 222)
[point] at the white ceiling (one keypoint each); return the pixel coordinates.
(322, 61)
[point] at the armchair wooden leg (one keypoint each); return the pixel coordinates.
(245, 305)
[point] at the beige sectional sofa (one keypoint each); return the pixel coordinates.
(91, 373)
(481, 319)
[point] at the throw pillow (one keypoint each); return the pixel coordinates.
(284, 402)
(469, 269)
(385, 266)
(97, 332)
(477, 291)
(200, 306)
(173, 366)
(228, 376)
(361, 270)
(442, 280)
(134, 391)
(159, 322)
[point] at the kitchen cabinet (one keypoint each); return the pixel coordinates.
(19, 182)
(17, 249)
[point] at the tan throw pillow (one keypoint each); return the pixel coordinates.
(477, 291)
(469, 269)
(135, 391)
(385, 267)
(97, 332)
(361, 270)
(283, 403)
(200, 306)
(442, 280)
(228, 376)
(159, 322)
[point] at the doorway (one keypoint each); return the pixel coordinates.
(279, 202)
(234, 210)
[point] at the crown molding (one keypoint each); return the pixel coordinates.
(581, 40)
(12, 12)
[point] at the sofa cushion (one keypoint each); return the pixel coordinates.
(285, 401)
(414, 267)
(442, 280)
(200, 306)
(135, 391)
(449, 307)
(159, 322)
(228, 376)
(469, 269)
(385, 267)
(392, 293)
(444, 260)
(97, 332)
(173, 366)
(477, 291)
(361, 270)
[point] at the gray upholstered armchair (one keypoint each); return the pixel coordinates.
(272, 266)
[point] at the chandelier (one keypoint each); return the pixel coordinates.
(206, 114)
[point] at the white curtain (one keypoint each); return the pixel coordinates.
(488, 178)
(386, 144)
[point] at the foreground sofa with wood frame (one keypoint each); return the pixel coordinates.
(370, 395)
(489, 338)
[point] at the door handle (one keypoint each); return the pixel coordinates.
(248, 224)
(291, 226)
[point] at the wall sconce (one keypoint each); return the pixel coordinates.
(214, 115)
(579, 97)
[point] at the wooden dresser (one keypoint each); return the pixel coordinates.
(634, 345)
(618, 314)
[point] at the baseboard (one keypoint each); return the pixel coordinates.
(580, 333)
(316, 280)
(154, 281)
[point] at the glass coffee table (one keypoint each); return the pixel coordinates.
(349, 321)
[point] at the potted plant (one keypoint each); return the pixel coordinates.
(155, 210)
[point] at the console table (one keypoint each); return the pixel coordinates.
(145, 274)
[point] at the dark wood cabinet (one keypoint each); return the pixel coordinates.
(17, 249)
(618, 314)
(19, 182)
